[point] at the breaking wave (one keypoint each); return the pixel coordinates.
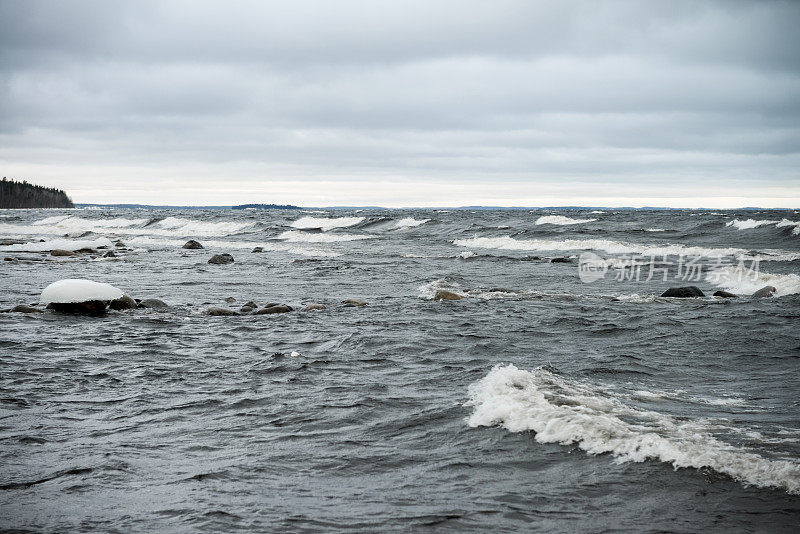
(743, 282)
(303, 237)
(561, 220)
(568, 412)
(170, 226)
(748, 224)
(325, 223)
(58, 244)
(616, 247)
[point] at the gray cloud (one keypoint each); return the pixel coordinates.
(537, 92)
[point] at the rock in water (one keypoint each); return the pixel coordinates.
(229, 299)
(258, 249)
(220, 312)
(79, 296)
(60, 252)
(765, 292)
(354, 302)
(561, 260)
(192, 244)
(275, 308)
(125, 302)
(221, 259)
(683, 292)
(248, 307)
(443, 294)
(153, 303)
(110, 254)
(311, 306)
(23, 308)
(725, 294)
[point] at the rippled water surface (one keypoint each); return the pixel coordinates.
(538, 402)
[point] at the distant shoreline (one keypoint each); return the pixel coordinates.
(461, 208)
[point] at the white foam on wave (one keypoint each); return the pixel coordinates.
(596, 212)
(560, 220)
(654, 230)
(741, 281)
(170, 226)
(325, 223)
(569, 412)
(786, 222)
(409, 222)
(748, 224)
(60, 244)
(615, 247)
(303, 237)
(428, 291)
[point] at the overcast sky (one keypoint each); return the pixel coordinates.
(404, 103)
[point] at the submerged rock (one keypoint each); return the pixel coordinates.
(725, 294)
(23, 308)
(765, 292)
(12, 260)
(229, 299)
(248, 307)
(274, 308)
(125, 302)
(311, 306)
(61, 252)
(354, 302)
(561, 260)
(152, 303)
(683, 292)
(257, 249)
(443, 294)
(221, 259)
(119, 244)
(192, 244)
(220, 312)
(110, 254)
(501, 290)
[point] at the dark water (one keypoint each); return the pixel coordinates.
(619, 411)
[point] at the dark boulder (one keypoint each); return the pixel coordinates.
(312, 306)
(60, 252)
(725, 294)
(354, 302)
(443, 294)
(501, 290)
(229, 299)
(153, 303)
(275, 308)
(683, 292)
(217, 312)
(561, 260)
(110, 254)
(221, 259)
(192, 244)
(12, 260)
(765, 292)
(257, 249)
(119, 244)
(87, 250)
(125, 302)
(89, 307)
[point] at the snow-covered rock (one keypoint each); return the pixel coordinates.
(79, 296)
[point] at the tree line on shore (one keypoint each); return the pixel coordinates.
(14, 194)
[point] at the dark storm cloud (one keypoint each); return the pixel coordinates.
(446, 90)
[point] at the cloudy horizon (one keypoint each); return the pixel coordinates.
(686, 104)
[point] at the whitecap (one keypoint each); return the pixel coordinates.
(748, 224)
(569, 412)
(304, 237)
(325, 223)
(786, 222)
(743, 281)
(560, 220)
(615, 247)
(60, 244)
(409, 222)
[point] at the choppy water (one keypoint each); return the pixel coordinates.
(536, 403)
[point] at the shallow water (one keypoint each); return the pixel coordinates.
(622, 411)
